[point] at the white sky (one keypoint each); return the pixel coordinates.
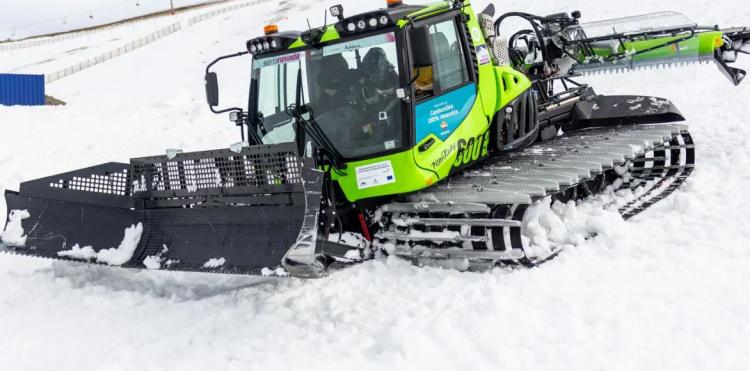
(33, 17)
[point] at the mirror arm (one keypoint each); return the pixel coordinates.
(208, 70)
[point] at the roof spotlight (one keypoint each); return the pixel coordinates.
(383, 20)
(274, 44)
(361, 24)
(337, 11)
(351, 27)
(266, 46)
(373, 22)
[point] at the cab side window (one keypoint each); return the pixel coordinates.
(449, 69)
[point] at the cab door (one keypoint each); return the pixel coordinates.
(449, 124)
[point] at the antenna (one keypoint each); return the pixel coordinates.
(308, 24)
(325, 18)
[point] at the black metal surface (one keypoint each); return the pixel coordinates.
(57, 225)
(104, 185)
(612, 110)
(246, 208)
(519, 127)
(254, 170)
(735, 75)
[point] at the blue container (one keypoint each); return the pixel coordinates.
(24, 90)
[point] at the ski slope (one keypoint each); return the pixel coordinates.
(666, 290)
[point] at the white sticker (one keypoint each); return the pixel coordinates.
(483, 56)
(391, 144)
(373, 175)
(476, 35)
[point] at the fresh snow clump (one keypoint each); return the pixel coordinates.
(278, 272)
(154, 261)
(214, 263)
(549, 225)
(80, 253)
(123, 253)
(13, 234)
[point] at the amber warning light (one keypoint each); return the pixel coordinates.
(271, 29)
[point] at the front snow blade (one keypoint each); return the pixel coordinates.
(247, 212)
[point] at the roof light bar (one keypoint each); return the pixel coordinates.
(364, 23)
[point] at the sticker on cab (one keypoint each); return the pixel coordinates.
(483, 55)
(373, 175)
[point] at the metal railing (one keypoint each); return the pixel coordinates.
(214, 13)
(143, 41)
(127, 48)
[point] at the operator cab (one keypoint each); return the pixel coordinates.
(365, 87)
(350, 89)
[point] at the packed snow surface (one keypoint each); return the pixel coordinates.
(667, 290)
(13, 235)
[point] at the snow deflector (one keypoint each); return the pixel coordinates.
(612, 110)
(246, 212)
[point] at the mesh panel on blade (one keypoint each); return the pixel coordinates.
(253, 170)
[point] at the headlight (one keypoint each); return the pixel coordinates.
(351, 27)
(266, 46)
(253, 48)
(361, 24)
(373, 22)
(274, 44)
(383, 20)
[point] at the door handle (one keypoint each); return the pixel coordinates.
(426, 145)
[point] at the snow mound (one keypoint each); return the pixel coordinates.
(214, 263)
(14, 234)
(548, 225)
(123, 253)
(81, 253)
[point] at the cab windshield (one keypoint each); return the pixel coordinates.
(350, 87)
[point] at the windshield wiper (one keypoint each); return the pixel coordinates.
(305, 116)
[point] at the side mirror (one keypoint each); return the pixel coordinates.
(212, 89)
(421, 47)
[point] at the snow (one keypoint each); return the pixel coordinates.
(214, 263)
(80, 253)
(156, 261)
(349, 238)
(277, 272)
(13, 235)
(666, 290)
(122, 254)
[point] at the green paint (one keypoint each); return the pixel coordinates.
(330, 34)
(430, 10)
(415, 170)
(699, 45)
